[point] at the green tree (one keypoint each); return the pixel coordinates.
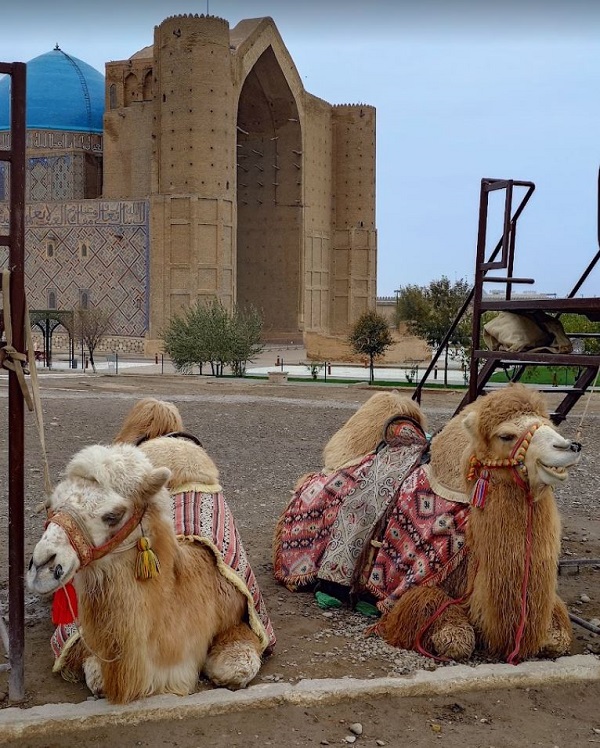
(578, 323)
(371, 336)
(245, 338)
(429, 312)
(186, 348)
(208, 333)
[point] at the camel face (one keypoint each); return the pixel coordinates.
(101, 493)
(548, 456)
(55, 561)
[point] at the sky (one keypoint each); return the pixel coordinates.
(464, 89)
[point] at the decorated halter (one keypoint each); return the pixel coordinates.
(516, 461)
(147, 565)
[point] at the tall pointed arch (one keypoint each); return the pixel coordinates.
(269, 196)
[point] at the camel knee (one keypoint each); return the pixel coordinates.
(454, 639)
(93, 676)
(71, 663)
(406, 625)
(234, 658)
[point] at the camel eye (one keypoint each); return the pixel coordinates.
(506, 437)
(113, 518)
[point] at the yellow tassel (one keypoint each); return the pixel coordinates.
(147, 565)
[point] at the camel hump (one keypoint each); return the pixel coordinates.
(148, 419)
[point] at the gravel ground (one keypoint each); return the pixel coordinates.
(263, 437)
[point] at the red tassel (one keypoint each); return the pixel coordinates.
(61, 612)
(480, 489)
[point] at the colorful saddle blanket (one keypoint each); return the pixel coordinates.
(205, 518)
(423, 540)
(374, 525)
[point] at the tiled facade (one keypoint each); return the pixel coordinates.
(88, 252)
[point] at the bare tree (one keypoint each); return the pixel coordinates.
(91, 325)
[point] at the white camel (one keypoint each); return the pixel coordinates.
(149, 627)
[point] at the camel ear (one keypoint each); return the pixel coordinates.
(470, 424)
(152, 484)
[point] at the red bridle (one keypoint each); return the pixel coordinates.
(80, 539)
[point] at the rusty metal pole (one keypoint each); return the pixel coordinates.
(16, 440)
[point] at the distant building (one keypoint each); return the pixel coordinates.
(501, 294)
(199, 167)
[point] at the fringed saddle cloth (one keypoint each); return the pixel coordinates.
(205, 518)
(373, 525)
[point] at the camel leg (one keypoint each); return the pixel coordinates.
(93, 675)
(560, 635)
(450, 635)
(233, 659)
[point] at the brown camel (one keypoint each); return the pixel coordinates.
(448, 575)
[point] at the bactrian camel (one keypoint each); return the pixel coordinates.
(463, 550)
(155, 608)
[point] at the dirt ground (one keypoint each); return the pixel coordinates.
(263, 437)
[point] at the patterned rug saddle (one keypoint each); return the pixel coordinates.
(376, 526)
(204, 517)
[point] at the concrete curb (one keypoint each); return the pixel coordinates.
(18, 723)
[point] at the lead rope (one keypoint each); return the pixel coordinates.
(587, 405)
(15, 361)
(525, 583)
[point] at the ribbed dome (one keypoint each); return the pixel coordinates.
(63, 93)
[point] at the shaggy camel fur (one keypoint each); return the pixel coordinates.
(488, 554)
(149, 418)
(502, 597)
(362, 432)
(146, 636)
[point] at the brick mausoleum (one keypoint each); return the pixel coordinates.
(199, 167)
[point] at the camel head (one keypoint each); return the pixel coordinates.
(97, 508)
(512, 427)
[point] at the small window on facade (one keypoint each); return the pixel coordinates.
(51, 299)
(50, 248)
(112, 96)
(83, 250)
(84, 299)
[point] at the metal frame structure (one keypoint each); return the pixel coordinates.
(46, 321)
(483, 363)
(15, 241)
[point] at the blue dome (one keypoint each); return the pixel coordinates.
(63, 93)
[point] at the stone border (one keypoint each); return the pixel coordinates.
(16, 723)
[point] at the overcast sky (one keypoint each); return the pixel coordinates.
(464, 89)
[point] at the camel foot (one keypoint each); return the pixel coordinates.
(232, 666)
(560, 635)
(457, 642)
(557, 644)
(93, 676)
